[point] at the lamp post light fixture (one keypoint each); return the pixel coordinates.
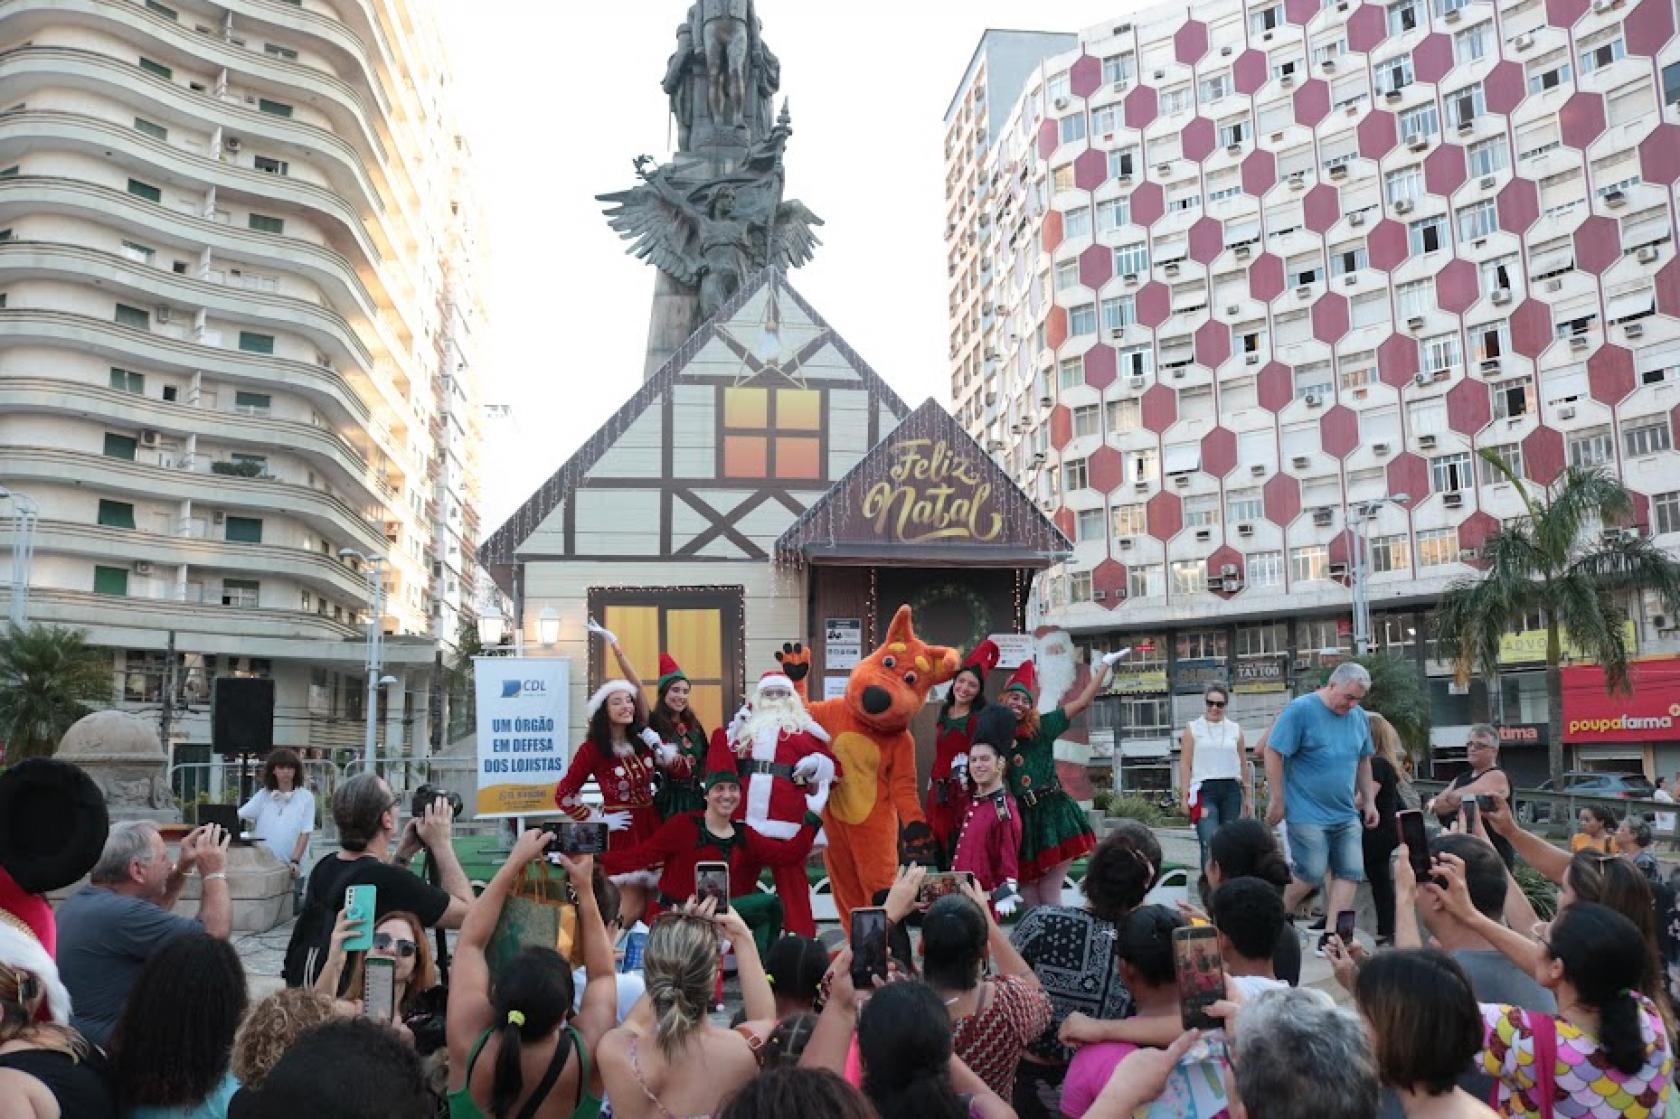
(492, 627)
(1358, 518)
(25, 512)
(371, 566)
(548, 626)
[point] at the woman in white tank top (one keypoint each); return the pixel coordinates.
(1213, 768)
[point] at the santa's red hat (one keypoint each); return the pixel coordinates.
(669, 672)
(775, 678)
(983, 658)
(1025, 679)
(26, 930)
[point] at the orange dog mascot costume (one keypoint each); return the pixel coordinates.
(869, 732)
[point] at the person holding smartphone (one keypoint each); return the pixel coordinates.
(1482, 778)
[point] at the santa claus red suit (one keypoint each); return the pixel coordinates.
(625, 773)
(786, 768)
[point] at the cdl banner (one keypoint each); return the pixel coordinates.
(1649, 713)
(522, 748)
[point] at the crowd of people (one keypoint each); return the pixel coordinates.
(1463, 1003)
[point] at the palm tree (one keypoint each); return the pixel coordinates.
(1396, 693)
(49, 677)
(1557, 560)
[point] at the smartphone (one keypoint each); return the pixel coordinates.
(869, 947)
(1344, 926)
(1410, 822)
(573, 838)
(711, 880)
(1486, 803)
(936, 886)
(359, 905)
(1469, 808)
(379, 988)
(1201, 975)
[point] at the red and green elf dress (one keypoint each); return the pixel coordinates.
(679, 771)
(1053, 827)
(947, 799)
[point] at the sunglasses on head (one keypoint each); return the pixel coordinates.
(385, 942)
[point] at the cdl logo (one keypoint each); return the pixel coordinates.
(511, 688)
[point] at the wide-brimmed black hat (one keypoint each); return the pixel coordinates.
(52, 823)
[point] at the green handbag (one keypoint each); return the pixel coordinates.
(539, 913)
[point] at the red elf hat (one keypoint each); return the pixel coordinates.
(669, 673)
(983, 658)
(1024, 680)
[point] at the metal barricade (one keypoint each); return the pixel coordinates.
(1554, 814)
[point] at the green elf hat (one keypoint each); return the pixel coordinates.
(669, 673)
(1024, 680)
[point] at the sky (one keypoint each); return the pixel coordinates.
(556, 99)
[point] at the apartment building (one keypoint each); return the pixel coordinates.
(1241, 287)
(238, 318)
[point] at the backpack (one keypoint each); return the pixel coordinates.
(306, 951)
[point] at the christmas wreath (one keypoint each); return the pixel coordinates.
(973, 604)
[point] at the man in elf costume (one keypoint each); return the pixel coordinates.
(988, 843)
(786, 768)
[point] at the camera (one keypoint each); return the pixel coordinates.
(424, 796)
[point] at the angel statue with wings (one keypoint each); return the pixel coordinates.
(713, 234)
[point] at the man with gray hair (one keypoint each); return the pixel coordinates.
(1318, 778)
(109, 929)
(1484, 778)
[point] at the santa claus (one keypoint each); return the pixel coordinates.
(786, 769)
(1062, 675)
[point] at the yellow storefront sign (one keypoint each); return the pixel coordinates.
(1138, 683)
(1529, 646)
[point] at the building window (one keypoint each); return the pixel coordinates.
(1079, 586)
(1087, 420)
(1201, 644)
(1450, 473)
(1471, 44)
(1309, 563)
(1423, 122)
(1070, 373)
(1645, 437)
(1437, 546)
(1120, 163)
(124, 380)
(136, 317)
(241, 592)
(1137, 360)
(1057, 86)
(275, 50)
(1067, 275)
(1061, 178)
(1118, 68)
(145, 190)
(1404, 16)
(1265, 569)
(1262, 20)
(120, 446)
(772, 433)
(273, 108)
(1665, 509)
(1189, 576)
(1075, 475)
(1477, 220)
(1090, 524)
(1548, 71)
(1262, 640)
(1671, 83)
(1489, 156)
(1441, 354)
(1243, 506)
(1076, 223)
(163, 10)
(1513, 398)
(116, 514)
(1119, 313)
(1602, 49)
(1201, 510)
(1144, 581)
(1391, 553)
(156, 69)
(271, 167)
(155, 131)
(1082, 319)
(1114, 213)
(1131, 520)
(1593, 447)
(110, 580)
(1427, 236)
(263, 223)
(1124, 416)
(244, 530)
(1131, 260)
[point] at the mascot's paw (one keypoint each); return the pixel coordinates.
(1006, 899)
(920, 847)
(795, 660)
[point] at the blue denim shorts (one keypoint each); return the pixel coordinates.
(1340, 848)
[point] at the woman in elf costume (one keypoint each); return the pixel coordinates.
(678, 727)
(947, 792)
(1054, 831)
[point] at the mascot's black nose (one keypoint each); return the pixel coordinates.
(876, 700)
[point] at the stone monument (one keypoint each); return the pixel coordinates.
(715, 214)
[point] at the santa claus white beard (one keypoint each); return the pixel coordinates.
(773, 716)
(1056, 670)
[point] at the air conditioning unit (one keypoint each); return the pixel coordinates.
(1379, 448)
(1061, 102)
(1403, 206)
(1578, 341)
(1329, 65)
(1181, 480)
(1303, 291)
(141, 567)
(1501, 295)
(1046, 402)
(1038, 458)
(1357, 218)
(1554, 285)
(1251, 359)
(1614, 198)
(1337, 571)
(164, 312)
(1125, 543)
(1350, 280)
(1216, 584)
(1203, 535)
(1242, 251)
(1486, 182)
(1567, 412)
(1232, 309)
(149, 438)
(1452, 16)
(1300, 462)
(1116, 332)
(1660, 621)
(1632, 329)
(1129, 279)
(1338, 171)
(1415, 323)
(1312, 400)
(231, 144)
(1420, 379)
(1170, 268)
(1140, 486)
(1136, 381)
(1491, 365)
(1257, 469)
(1098, 596)
(1523, 42)
(1159, 74)
(1233, 149)
(218, 517)
(1163, 168)
(1426, 442)
(1469, 555)
(1119, 86)
(1392, 96)
(1646, 254)
(1417, 141)
(1452, 499)
(1245, 529)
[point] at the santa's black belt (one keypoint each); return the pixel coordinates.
(749, 767)
(1032, 798)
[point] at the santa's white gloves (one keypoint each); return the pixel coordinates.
(814, 768)
(601, 631)
(740, 716)
(664, 753)
(616, 821)
(817, 801)
(1117, 656)
(1006, 899)
(650, 737)
(959, 766)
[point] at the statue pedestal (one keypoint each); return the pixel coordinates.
(122, 755)
(259, 884)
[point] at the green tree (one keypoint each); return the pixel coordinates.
(463, 700)
(1397, 695)
(49, 677)
(1560, 561)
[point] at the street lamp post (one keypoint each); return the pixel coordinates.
(1359, 517)
(371, 566)
(25, 512)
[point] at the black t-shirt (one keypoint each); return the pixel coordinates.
(397, 889)
(81, 1087)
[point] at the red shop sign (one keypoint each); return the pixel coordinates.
(1649, 713)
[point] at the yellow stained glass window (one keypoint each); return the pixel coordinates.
(798, 410)
(798, 456)
(745, 456)
(746, 408)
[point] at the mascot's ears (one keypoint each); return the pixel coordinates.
(943, 661)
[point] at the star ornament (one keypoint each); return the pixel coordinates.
(767, 343)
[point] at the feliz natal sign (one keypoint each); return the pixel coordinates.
(932, 492)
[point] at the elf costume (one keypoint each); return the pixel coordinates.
(1053, 829)
(681, 757)
(947, 792)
